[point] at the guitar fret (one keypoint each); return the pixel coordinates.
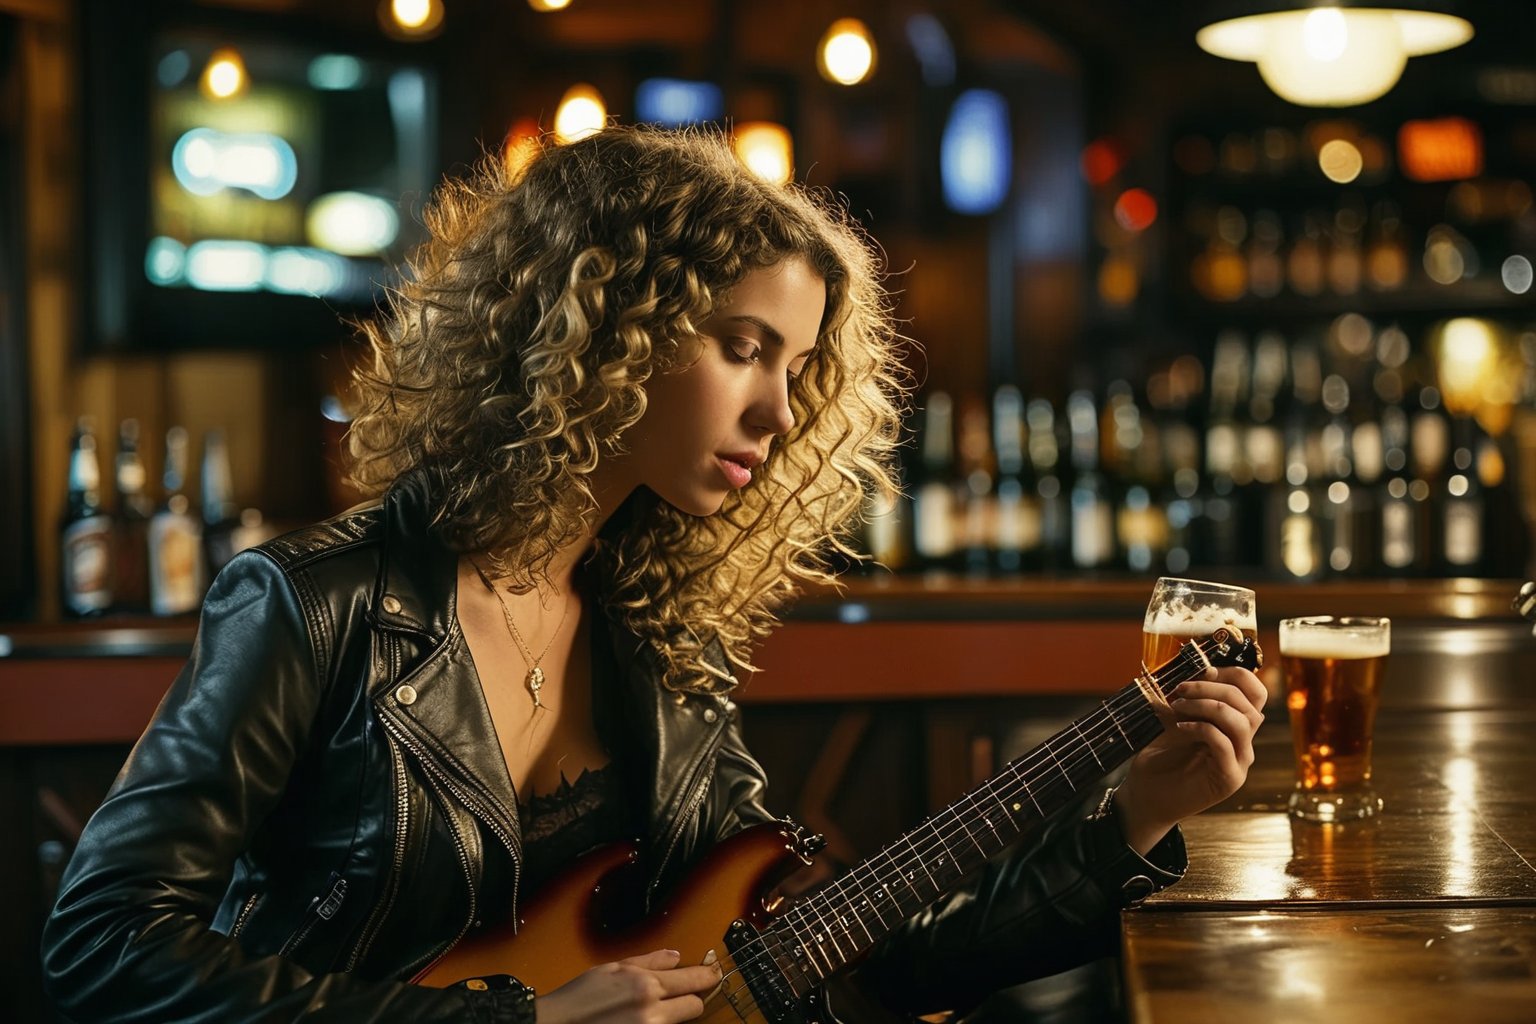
(1086, 743)
(826, 931)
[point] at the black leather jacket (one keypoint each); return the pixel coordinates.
(302, 824)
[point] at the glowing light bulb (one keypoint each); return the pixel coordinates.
(847, 52)
(766, 149)
(582, 112)
(224, 76)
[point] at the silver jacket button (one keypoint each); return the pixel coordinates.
(710, 714)
(392, 604)
(406, 694)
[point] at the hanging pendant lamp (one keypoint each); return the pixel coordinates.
(1333, 55)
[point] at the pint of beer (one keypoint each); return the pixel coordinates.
(1332, 670)
(1182, 610)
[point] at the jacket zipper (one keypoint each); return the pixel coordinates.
(245, 913)
(402, 825)
(434, 774)
(321, 908)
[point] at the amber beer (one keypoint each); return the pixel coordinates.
(1183, 610)
(1332, 670)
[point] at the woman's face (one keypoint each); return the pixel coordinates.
(708, 422)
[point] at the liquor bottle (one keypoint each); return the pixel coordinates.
(1266, 270)
(1386, 250)
(935, 501)
(1093, 523)
(1430, 459)
(1017, 532)
(1296, 549)
(1346, 263)
(1180, 454)
(175, 541)
(1462, 549)
(130, 524)
(221, 521)
(1226, 468)
(1403, 501)
(1337, 509)
(1305, 263)
(1263, 442)
(1366, 453)
(1141, 522)
(85, 532)
(978, 471)
(1055, 504)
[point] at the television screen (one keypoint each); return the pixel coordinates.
(247, 188)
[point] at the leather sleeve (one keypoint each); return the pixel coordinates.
(1048, 906)
(129, 939)
(739, 783)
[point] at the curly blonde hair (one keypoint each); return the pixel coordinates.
(515, 355)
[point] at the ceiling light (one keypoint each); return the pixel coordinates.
(1333, 56)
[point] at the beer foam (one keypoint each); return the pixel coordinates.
(1339, 645)
(1186, 622)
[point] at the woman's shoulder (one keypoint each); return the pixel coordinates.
(359, 527)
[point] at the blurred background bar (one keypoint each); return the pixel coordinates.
(1186, 295)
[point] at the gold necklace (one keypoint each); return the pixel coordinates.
(535, 678)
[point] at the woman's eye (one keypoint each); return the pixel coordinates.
(743, 352)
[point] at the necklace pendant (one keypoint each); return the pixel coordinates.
(535, 682)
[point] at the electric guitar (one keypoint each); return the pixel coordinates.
(775, 959)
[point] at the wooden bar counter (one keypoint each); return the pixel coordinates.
(1425, 913)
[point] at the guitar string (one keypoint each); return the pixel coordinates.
(797, 919)
(1128, 699)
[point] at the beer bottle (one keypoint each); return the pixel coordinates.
(978, 469)
(935, 505)
(85, 533)
(130, 526)
(1338, 505)
(1093, 518)
(175, 542)
(220, 515)
(1016, 538)
(1398, 510)
(1055, 507)
(1462, 547)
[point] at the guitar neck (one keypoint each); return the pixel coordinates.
(829, 929)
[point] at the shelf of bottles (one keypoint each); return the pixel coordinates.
(142, 556)
(1356, 398)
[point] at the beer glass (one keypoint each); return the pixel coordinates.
(1185, 609)
(1332, 670)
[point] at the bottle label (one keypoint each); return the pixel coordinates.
(1397, 534)
(1463, 533)
(1298, 545)
(1093, 532)
(1019, 526)
(935, 527)
(87, 564)
(175, 564)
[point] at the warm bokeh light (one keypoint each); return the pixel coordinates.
(1340, 161)
(1515, 272)
(1443, 149)
(520, 146)
(766, 149)
(411, 19)
(1468, 356)
(549, 5)
(582, 112)
(1135, 210)
(1328, 57)
(847, 52)
(225, 75)
(1101, 161)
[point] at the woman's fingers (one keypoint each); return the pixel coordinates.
(655, 960)
(688, 979)
(1232, 694)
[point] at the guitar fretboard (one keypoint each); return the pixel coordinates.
(827, 930)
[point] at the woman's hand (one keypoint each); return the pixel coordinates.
(649, 989)
(1201, 758)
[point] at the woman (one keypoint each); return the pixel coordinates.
(624, 406)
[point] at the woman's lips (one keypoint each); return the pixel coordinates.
(735, 473)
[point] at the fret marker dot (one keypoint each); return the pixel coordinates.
(1018, 807)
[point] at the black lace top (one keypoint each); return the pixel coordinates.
(576, 818)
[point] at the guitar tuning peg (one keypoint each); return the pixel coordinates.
(812, 845)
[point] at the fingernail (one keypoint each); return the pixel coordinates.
(1187, 725)
(710, 958)
(1181, 702)
(673, 952)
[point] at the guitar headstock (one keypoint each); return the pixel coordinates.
(1229, 647)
